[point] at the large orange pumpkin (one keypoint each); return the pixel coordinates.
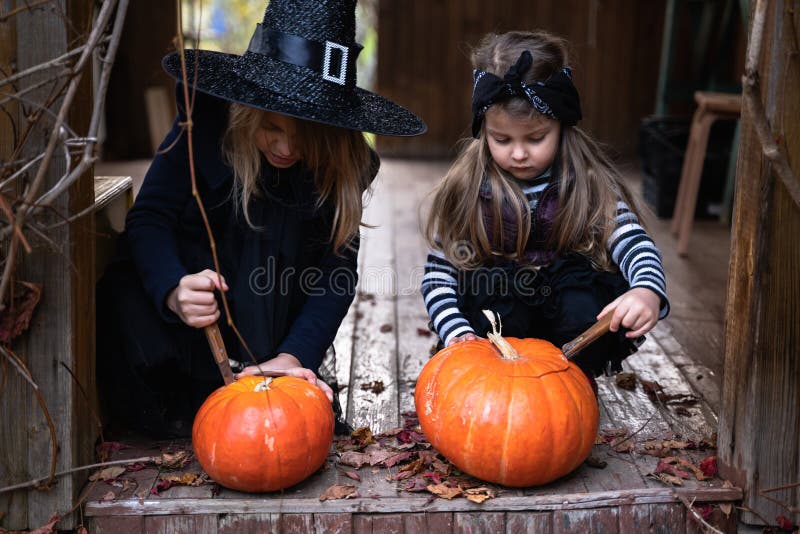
(263, 434)
(507, 410)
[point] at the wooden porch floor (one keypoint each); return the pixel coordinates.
(381, 342)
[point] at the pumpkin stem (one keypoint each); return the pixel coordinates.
(264, 386)
(507, 352)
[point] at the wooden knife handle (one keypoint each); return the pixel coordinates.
(571, 348)
(218, 350)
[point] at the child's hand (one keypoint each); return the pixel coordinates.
(465, 337)
(288, 365)
(636, 310)
(193, 299)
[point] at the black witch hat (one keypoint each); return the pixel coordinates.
(301, 62)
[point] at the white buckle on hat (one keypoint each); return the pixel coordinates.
(326, 65)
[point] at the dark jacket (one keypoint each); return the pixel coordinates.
(289, 291)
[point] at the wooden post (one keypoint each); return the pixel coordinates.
(62, 330)
(759, 442)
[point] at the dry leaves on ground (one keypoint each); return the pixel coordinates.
(413, 464)
(339, 491)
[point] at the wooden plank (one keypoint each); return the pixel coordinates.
(116, 525)
(62, 330)
(333, 523)
(634, 519)
(668, 518)
(598, 521)
(372, 400)
(529, 522)
(181, 524)
(424, 523)
(469, 523)
(248, 523)
(307, 505)
(296, 523)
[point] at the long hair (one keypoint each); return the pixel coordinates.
(589, 184)
(339, 159)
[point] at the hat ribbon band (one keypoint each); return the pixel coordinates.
(335, 62)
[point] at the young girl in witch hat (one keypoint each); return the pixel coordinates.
(532, 220)
(281, 166)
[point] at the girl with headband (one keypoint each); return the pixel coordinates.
(533, 221)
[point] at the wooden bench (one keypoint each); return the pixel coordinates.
(113, 196)
(710, 107)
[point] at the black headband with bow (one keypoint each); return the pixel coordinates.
(556, 97)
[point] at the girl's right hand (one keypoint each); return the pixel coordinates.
(465, 337)
(193, 299)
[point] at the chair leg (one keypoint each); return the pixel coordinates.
(688, 157)
(699, 134)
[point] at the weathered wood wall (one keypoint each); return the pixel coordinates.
(62, 330)
(423, 61)
(759, 442)
(150, 27)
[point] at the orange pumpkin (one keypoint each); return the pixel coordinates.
(507, 410)
(263, 434)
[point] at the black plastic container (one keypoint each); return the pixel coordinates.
(661, 147)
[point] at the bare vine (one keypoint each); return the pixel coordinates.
(22, 214)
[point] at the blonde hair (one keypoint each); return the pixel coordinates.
(589, 184)
(339, 159)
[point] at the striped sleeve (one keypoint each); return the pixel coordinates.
(637, 256)
(439, 286)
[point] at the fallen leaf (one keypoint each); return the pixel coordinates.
(109, 496)
(161, 485)
(424, 332)
(82, 530)
(622, 445)
(663, 448)
(376, 387)
(138, 466)
(626, 381)
(704, 511)
(666, 479)
(416, 484)
(397, 458)
(785, 523)
(107, 448)
(174, 460)
(108, 473)
(709, 466)
(386, 327)
(351, 474)
(363, 435)
(354, 459)
(181, 479)
(18, 313)
(338, 491)
(443, 491)
(726, 508)
(49, 527)
(478, 495)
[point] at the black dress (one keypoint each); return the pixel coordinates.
(289, 291)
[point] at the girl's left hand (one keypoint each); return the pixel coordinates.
(289, 366)
(636, 310)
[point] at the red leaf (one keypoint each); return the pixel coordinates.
(705, 511)
(17, 316)
(709, 466)
(106, 449)
(423, 332)
(417, 484)
(161, 485)
(785, 523)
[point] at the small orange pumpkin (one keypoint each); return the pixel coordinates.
(263, 434)
(507, 410)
